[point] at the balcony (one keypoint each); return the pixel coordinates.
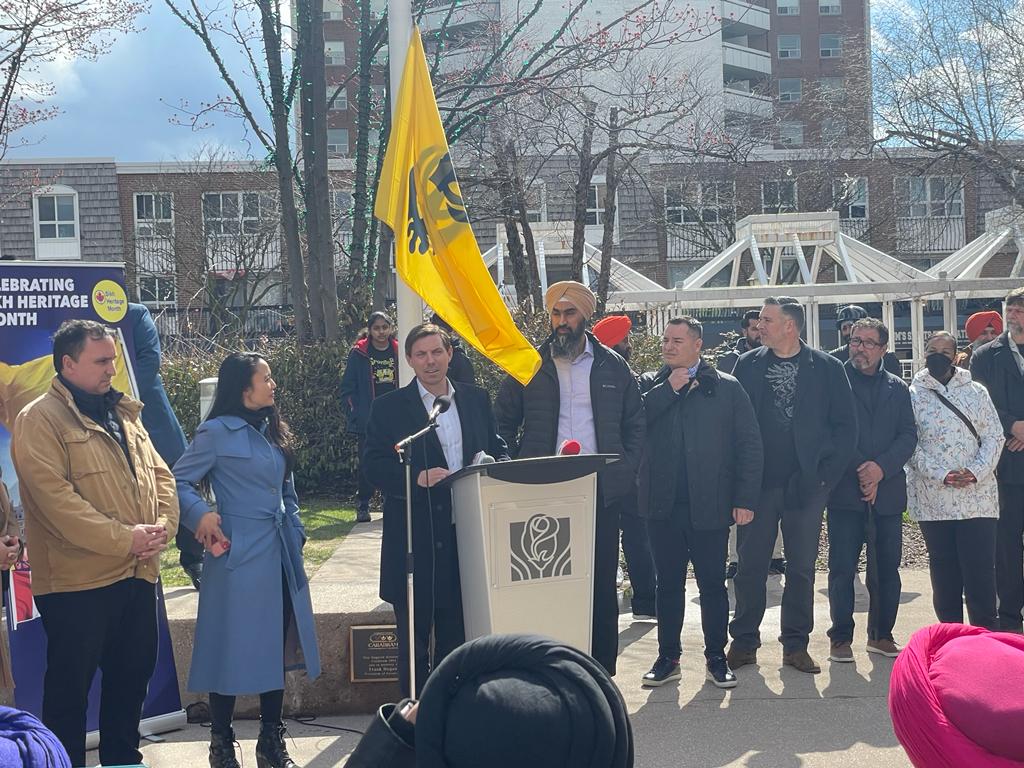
(855, 228)
(154, 255)
(930, 235)
(742, 63)
(697, 241)
(747, 103)
(237, 255)
(740, 18)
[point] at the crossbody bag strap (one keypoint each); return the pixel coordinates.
(960, 414)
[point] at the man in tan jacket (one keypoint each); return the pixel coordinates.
(99, 506)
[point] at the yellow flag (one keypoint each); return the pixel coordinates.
(435, 250)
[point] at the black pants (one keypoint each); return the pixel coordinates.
(1010, 556)
(636, 547)
(112, 628)
(801, 529)
(848, 531)
(365, 487)
(676, 544)
(190, 551)
(962, 565)
(438, 613)
(604, 634)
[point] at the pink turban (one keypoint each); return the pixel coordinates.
(955, 698)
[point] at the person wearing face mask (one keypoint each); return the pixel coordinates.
(951, 484)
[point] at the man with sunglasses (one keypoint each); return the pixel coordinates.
(868, 502)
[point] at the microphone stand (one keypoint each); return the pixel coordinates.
(402, 448)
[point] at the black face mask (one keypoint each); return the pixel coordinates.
(938, 365)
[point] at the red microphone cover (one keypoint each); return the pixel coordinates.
(570, 448)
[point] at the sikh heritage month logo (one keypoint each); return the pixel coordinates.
(540, 548)
(109, 301)
(432, 180)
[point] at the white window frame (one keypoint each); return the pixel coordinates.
(247, 224)
(333, 10)
(787, 7)
(787, 97)
(340, 150)
(160, 280)
(156, 225)
(56, 248)
(791, 133)
(539, 214)
(778, 205)
(851, 196)
(789, 53)
(918, 198)
(340, 102)
(830, 52)
(334, 53)
(830, 8)
(597, 209)
(700, 203)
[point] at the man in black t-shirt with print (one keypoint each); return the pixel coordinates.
(805, 410)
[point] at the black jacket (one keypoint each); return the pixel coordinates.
(460, 369)
(727, 362)
(722, 446)
(392, 417)
(886, 436)
(994, 366)
(357, 390)
(824, 418)
(890, 362)
(528, 416)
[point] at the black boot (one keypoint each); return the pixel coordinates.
(271, 751)
(222, 750)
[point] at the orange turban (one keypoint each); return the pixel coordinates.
(979, 321)
(612, 329)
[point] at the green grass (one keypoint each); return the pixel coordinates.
(327, 522)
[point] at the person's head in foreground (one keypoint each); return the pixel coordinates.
(956, 699)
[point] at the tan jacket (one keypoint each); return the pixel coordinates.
(8, 527)
(80, 497)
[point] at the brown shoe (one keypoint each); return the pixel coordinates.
(802, 661)
(737, 657)
(884, 648)
(841, 652)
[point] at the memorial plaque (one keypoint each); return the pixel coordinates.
(373, 654)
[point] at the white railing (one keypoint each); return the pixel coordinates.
(930, 235)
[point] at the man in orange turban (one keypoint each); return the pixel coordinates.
(981, 328)
(613, 331)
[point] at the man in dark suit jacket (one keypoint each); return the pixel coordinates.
(1000, 367)
(804, 406)
(868, 502)
(465, 430)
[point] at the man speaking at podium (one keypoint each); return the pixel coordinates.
(583, 392)
(464, 429)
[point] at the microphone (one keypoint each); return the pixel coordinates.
(570, 448)
(441, 404)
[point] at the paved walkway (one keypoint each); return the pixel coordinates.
(775, 718)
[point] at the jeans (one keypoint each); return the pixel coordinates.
(636, 547)
(111, 628)
(676, 544)
(801, 528)
(962, 564)
(1010, 556)
(848, 531)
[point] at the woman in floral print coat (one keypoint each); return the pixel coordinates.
(951, 484)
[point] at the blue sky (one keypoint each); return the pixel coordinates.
(112, 107)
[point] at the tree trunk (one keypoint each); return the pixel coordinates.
(533, 270)
(283, 166)
(583, 179)
(511, 207)
(611, 183)
(383, 273)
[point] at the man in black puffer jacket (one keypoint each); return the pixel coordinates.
(585, 392)
(702, 473)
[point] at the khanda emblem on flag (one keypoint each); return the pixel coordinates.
(432, 179)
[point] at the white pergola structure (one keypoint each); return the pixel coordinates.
(1003, 227)
(868, 275)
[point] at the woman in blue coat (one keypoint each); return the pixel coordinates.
(255, 615)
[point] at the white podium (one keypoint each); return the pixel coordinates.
(525, 532)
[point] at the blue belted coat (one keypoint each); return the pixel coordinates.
(240, 642)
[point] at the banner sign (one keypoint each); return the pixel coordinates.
(35, 298)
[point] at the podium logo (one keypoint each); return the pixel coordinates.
(540, 548)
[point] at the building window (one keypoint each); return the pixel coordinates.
(335, 11)
(153, 215)
(337, 142)
(851, 197)
(830, 46)
(595, 205)
(833, 129)
(787, 7)
(709, 202)
(56, 216)
(339, 103)
(537, 203)
(923, 197)
(778, 196)
(830, 8)
(334, 53)
(789, 46)
(232, 213)
(158, 290)
(790, 89)
(791, 134)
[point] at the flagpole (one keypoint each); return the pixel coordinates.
(409, 305)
